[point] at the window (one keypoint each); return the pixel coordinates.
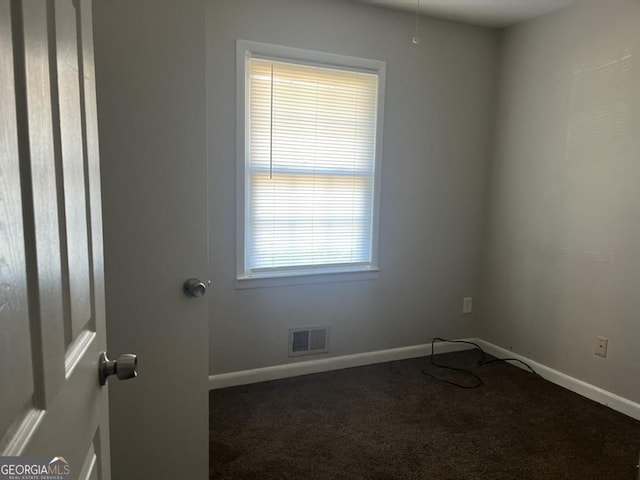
(308, 168)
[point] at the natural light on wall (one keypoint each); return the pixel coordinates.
(309, 168)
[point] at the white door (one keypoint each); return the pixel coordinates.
(52, 313)
(150, 71)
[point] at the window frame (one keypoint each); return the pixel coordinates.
(295, 276)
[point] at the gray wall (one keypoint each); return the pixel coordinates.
(563, 242)
(438, 124)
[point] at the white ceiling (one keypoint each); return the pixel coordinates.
(492, 13)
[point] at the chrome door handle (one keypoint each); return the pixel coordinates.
(195, 288)
(124, 367)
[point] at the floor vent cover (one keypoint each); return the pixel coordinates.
(308, 341)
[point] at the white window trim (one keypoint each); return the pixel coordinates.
(290, 54)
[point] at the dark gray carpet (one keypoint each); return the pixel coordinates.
(389, 421)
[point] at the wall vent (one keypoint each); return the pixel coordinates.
(308, 341)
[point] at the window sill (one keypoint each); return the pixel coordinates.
(291, 279)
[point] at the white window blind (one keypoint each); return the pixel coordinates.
(310, 167)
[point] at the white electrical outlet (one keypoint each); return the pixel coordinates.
(467, 305)
(601, 346)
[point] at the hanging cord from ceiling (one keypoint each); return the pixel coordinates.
(416, 39)
(476, 380)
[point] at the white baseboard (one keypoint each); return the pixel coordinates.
(597, 394)
(296, 369)
(604, 397)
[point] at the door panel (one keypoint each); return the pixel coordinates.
(64, 48)
(15, 340)
(40, 178)
(89, 469)
(54, 316)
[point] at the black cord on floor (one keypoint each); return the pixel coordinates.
(477, 381)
